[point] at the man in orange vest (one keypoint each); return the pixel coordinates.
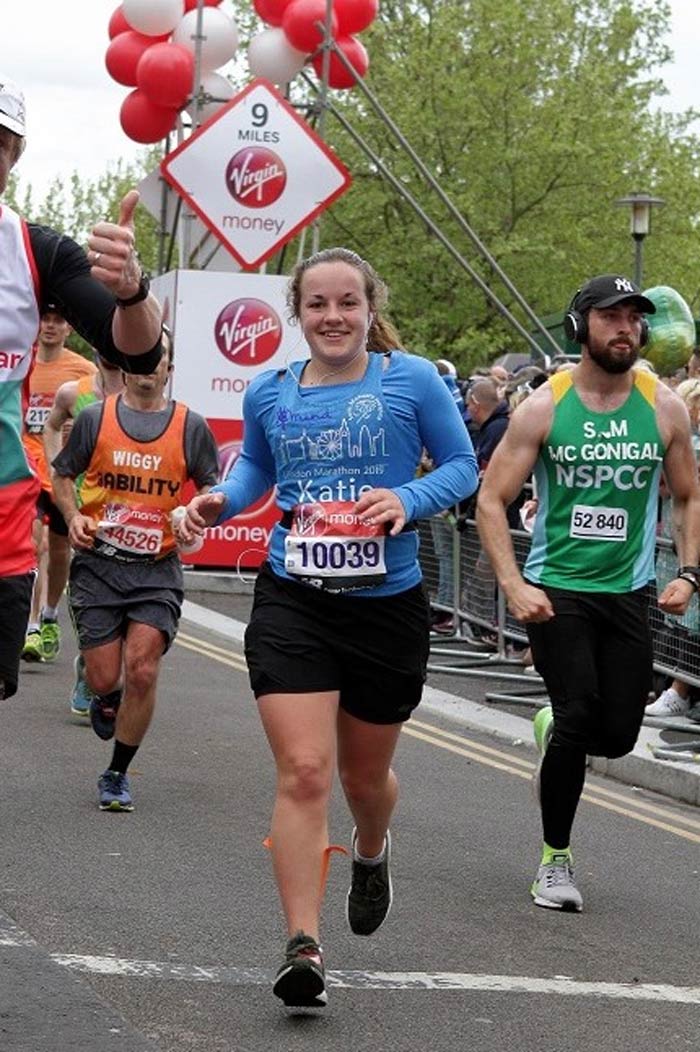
(53, 364)
(135, 451)
(71, 398)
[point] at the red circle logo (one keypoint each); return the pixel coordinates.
(256, 177)
(248, 332)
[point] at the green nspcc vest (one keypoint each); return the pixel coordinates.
(597, 479)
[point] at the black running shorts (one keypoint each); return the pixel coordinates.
(15, 600)
(48, 510)
(373, 650)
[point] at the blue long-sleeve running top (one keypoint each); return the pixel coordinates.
(325, 446)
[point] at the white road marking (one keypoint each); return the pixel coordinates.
(11, 936)
(357, 980)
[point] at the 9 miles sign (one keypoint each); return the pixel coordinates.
(255, 173)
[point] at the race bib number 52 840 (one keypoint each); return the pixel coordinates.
(598, 524)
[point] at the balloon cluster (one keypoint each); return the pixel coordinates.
(671, 330)
(153, 44)
(152, 49)
(280, 52)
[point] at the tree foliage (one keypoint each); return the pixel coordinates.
(534, 115)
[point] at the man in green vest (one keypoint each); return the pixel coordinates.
(597, 438)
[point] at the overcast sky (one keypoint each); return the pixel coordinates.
(55, 51)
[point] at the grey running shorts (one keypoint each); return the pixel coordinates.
(105, 595)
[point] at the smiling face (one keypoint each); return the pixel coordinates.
(614, 335)
(334, 312)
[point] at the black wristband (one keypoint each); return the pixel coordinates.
(140, 295)
(685, 575)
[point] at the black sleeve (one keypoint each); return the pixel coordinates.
(65, 279)
(75, 455)
(201, 451)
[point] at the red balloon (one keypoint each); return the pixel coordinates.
(299, 24)
(142, 121)
(123, 56)
(271, 11)
(165, 74)
(338, 75)
(355, 15)
(117, 23)
(191, 4)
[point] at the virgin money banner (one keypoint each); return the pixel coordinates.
(228, 328)
(255, 173)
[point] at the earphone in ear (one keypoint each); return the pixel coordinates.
(575, 324)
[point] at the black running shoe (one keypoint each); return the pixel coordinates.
(103, 713)
(369, 898)
(301, 981)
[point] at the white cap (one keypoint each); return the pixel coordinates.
(12, 107)
(446, 368)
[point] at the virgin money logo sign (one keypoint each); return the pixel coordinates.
(248, 332)
(256, 177)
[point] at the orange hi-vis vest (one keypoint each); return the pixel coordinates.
(130, 487)
(44, 382)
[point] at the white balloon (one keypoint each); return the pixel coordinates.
(219, 32)
(270, 55)
(153, 18)
(219, 88)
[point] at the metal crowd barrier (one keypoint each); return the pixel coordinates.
(482, 640)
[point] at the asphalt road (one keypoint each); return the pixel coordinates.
(160, 930)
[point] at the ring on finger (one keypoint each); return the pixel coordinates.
(95, 258)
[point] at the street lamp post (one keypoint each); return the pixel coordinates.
(640, 225)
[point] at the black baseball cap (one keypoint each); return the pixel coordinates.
(606, 290)
(51, 307)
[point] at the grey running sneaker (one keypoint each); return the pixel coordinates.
(103, 713)
(554, 886)
(114, 792)
(370, 895)
(301, 981)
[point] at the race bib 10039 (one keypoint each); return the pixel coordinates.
(333, 548)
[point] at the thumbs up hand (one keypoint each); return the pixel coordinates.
(112, 251)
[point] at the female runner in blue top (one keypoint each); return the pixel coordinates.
(338, 639)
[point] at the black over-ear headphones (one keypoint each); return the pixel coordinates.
(576, 325)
